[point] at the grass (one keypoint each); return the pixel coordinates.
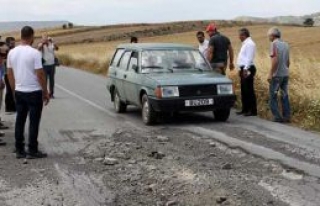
(304, 72)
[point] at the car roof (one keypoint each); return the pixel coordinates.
(148, 46)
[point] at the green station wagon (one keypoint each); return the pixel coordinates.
(167, 78)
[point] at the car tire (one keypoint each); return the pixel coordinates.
(222, 115)
(149, 116)
(119, 106)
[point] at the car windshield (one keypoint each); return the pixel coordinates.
(172, 61)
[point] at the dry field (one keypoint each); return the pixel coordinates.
(305, 70)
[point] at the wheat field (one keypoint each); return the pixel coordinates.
(304, 71)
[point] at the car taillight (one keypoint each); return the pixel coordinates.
(158, 92)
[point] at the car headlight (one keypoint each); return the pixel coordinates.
(169, 92)
(225, 89)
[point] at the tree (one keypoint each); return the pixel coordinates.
(64, 26)
(308, 22)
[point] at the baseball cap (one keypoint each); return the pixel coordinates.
(211, 27)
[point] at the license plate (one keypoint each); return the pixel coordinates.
(199, 102)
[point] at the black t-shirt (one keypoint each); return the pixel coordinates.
(220, 44)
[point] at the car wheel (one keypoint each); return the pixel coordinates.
(119, 106)
(222, 114)
(149, 116)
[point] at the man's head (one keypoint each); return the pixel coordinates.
(211, 29)
(200, 36)
(27, 34)
(11, 42)
(134, 39)
(244, 33)
(274, 33)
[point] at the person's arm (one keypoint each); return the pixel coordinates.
(274, 62)
(10, 74)
(41, 78)
(231, 56)
(210, 53)
(56, 47)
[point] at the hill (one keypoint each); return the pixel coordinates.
(17, 25)
(298, 20)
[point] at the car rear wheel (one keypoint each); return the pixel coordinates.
(149, 116)
(222, 115)
(119, 106)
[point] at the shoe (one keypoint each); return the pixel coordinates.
(3, 127)
(36, 155)
(2, 134)
(250, 114)
(2, 143)
(240, 112)
(21, 154)
(278, 120)
(286, 121)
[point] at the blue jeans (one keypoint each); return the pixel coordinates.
(28, 103)
(50, 71)
(279, 84)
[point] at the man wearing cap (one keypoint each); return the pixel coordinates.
(3, 53)
(247, 73)
(279, 76)
(219, 49)
(10, 105)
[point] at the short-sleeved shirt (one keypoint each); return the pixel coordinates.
(220, 44)
(24, 61)
(280, 49)
(203, 47)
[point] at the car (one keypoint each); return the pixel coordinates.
(167, 78)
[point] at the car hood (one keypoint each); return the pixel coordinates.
(176, 79)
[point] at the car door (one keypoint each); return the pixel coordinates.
(132, 81)
(120, 73)
(113, 67)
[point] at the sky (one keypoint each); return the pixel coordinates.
(103, 12)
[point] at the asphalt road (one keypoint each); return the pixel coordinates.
(247, 161)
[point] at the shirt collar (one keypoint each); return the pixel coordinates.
(247, 40)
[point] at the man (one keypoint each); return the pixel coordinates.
(203, 43)
(28, 80)
(134, 40)
(10, 105)
(279, 76)
(247, 73)
(48, 49)
(3, 51)
(219, 48)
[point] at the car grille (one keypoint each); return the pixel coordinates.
(197, 90)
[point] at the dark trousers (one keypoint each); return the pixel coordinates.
(28, 103)
(10, 105)
(248, 95)
(50, 71)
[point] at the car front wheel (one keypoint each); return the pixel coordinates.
(149, 116)
(222, 114)
(119, 106)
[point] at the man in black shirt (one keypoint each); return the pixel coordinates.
(220, 49)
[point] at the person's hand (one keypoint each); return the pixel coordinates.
(269, 78)
(46, 98)
(231, 66)
(2, 85)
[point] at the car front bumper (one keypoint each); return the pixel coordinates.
(178, 104)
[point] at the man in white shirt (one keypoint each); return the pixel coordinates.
(203, 43)
(47, 48)
(27, 80)
(247, 73)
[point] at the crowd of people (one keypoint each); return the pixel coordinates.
(218, 50)
(24, 73)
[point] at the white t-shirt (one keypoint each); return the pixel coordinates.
(48, 54)
(24, 61)
(203, 48)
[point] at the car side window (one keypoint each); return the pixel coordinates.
(133, 62)
(123, 64)
(116, 57)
